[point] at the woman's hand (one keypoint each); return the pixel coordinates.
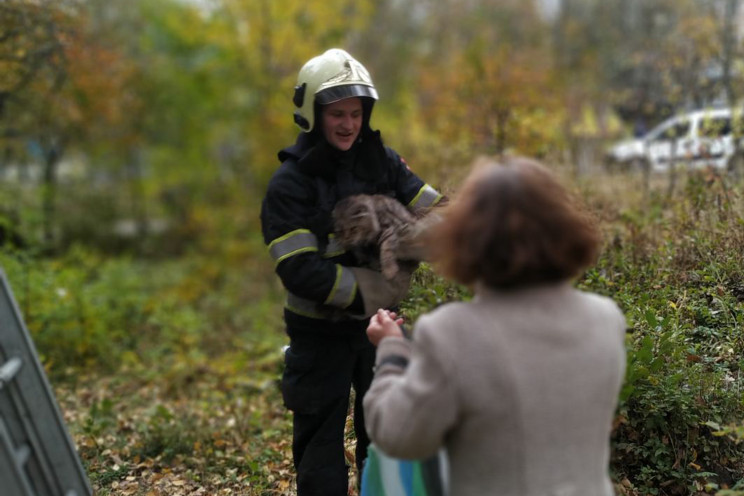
(384, 324)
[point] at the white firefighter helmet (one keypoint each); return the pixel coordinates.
(328, 78)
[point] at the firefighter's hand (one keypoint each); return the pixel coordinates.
(414, 242)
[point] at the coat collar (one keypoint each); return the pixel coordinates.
(315, 157)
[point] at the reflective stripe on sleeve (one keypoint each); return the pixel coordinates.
(292, 243)
(310, 309)
(425, 198)
(301, 306)
(344, 289)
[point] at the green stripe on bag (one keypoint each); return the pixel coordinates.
(371, 478)
(387, 476)
(419, 487)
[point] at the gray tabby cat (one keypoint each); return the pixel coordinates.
(364, 220)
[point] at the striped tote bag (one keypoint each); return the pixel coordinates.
(387, 476)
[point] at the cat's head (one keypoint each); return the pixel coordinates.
(355, 221)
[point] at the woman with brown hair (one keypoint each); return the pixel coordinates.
(520, 385)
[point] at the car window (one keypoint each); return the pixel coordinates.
(715, 127)
(676, 131)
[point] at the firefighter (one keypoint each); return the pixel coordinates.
(330, 297)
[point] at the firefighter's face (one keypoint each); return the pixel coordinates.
(342, 121)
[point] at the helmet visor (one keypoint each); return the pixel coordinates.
(336, 93)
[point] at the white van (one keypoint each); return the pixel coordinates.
(703, 138)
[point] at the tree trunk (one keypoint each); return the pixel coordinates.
(672, 185)
(5, 164)
(137, 194)
(562, 54)
(499, 135)
(728, 42)
(52, 155)
(728, 39)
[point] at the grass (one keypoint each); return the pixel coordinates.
(167, 371)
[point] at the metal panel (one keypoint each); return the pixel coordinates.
(35, 441)
(11, 465)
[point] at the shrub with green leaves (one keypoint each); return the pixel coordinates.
(676, 266)
(86, 311)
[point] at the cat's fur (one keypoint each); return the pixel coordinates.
(376, 220)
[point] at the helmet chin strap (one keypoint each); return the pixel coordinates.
(367, 105)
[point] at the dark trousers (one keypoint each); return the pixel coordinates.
(318, 376)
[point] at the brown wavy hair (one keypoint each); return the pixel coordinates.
(513, 224)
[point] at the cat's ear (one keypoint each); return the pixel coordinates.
(358, 210)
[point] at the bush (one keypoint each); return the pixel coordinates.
(89, 312)
(675, 267)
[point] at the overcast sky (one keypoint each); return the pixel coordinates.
(548, 8)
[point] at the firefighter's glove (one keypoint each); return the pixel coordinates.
(414, 241)
(378, 292)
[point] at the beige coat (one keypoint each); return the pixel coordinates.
(520, 387)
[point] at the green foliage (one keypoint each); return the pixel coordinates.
(108, 476)
(85, 310)
(79, 309)
(176, 115)
(167, 437)
(198, 338)
(100, 418)
(428, 291)
(675, 267)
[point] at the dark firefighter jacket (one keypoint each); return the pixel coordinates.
(298, 229)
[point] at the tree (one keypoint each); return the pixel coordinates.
(489, 83)
(272, 39)
(69, 90)
(31, 54)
